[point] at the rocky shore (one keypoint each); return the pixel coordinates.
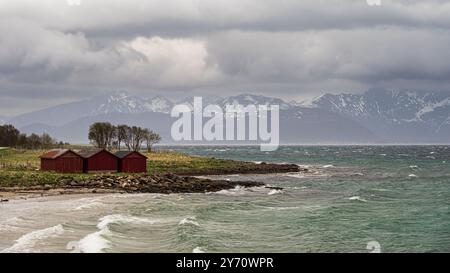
(146, 183)
(260, 168)
(178, 181)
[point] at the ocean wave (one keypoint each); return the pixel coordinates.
(97, 241)
(94, 204)
(357, 198)
(295, 175)
(283, 208)
(26, 242)
(91, 243)
(412, 175)
(272, 192)
(191, 220)
(199, 250)
(11, 223)
(238, 190)
(328, 166)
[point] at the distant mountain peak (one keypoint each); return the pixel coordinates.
(394, 115)
(158, 104)
(412, 113)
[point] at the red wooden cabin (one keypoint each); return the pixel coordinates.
(99, 161)
(62, 160)
(132, 162)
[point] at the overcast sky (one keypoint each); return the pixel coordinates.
(54, 51)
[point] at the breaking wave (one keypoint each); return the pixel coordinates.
(272, 192)
(191, 220)
(98, 241)
(29, 240)
(198, 250)
(357, 198)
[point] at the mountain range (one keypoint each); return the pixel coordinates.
(375, 116)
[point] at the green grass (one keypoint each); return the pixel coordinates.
(162, 162)
(21, 167)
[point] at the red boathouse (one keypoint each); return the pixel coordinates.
(99, 161)
(62, 160)
(132, 162)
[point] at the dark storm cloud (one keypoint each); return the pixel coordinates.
(51, 51)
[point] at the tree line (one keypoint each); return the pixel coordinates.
(104, 135)
(12, 137)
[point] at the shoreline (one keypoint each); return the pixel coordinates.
(147, 183)
(253, 168)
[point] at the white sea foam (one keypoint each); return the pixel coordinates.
(191, 220)
(91, 243)
(198, 250)
(412, 175)
(97, 241)
(94, 204)
(272, 192)
(29, 240)
(283, 208)
(11, 224)
(414, 166)
(328, 166)
(357, 198)
(239, 190)
(295, 175)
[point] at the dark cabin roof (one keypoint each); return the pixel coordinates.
(55, 153)
(123, 154)
(92, 152)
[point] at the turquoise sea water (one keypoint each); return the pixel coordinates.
(396, 197)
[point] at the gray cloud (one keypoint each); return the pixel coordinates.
(51, 51)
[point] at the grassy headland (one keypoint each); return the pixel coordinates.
(20, 169)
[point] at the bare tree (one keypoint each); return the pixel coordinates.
(33, 141)
(151, 139)
(11, 137)
(128, 137)
(47, 141)
(8, 135)
(138, 136)
(121, 134)
(102, 134)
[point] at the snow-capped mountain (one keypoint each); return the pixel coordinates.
(246, 99)
(122, 102)
(402, 115)
(243, 99)
(372, 117)
(116, 102)
(158, 104)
